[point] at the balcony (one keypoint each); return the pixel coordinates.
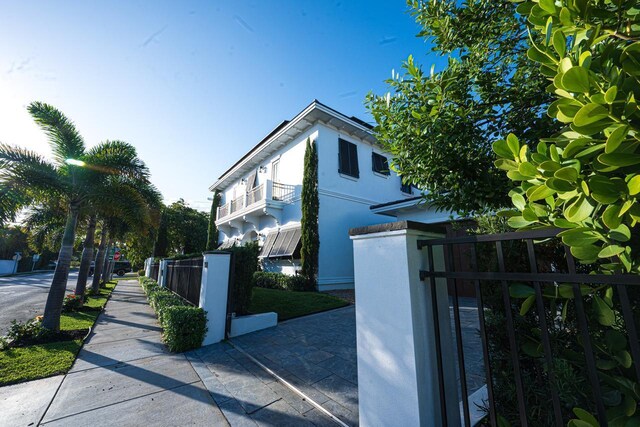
(274, 194)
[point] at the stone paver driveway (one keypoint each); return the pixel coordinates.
(316, 354)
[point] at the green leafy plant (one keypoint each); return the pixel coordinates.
(245, 264)
(72, 302)
(272, 280)
(183, 327)
(212, 235)
(161, 299)
(584, 179)
(439, 124)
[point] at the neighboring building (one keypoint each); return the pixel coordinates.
(261, 192)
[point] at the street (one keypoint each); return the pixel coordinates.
(24, 297)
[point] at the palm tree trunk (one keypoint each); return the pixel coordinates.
(97, 271)
(53, 307)
(107, 262)
(87, 257)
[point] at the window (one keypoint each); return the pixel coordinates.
(406, 188)
(274, 170)
(348, 158)
(380, 164)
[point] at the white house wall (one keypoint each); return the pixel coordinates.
(345, 203)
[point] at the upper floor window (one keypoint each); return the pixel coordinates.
(406, 188)
(348, 158)
(380, 164)
(274, 170)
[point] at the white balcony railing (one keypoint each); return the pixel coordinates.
(271, 191)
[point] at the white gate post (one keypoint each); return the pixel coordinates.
(397, 365)
(214, 292)
(162, 272)
(147, 266)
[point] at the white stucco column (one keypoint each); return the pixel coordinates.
(162, 272)
(397, 365)
(214, 292)
(147, 266)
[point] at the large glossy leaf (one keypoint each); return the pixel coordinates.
(615, 138)
(579, 210)
(634, 185)
(576, 79)
(619, 159)
(610, 251)
(604, 313)
(581, 236)
(589, 114)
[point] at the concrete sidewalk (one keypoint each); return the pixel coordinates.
(123, 376)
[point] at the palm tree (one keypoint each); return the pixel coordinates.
(130, 200)
(72, 177)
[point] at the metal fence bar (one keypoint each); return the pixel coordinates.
(591, 279)
(458, 330)
(436, 327)
(546, 341)
(630, 326)
(513, 349)
(541, 233)
(483, 336)
(586, 342)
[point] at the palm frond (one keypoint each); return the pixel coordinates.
(64, 138)
(117, 158)
(29, 172)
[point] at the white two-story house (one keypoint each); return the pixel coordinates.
(261, 192)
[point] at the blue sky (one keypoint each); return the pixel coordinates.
(194, 85)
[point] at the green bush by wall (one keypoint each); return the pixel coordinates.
(183, 327)
(245, 264)
(269, 280)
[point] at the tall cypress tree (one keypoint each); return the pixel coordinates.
(212, 237)
(310, 237)
(160, 248)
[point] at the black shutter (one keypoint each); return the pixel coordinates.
(353, 158)
(348, 158)
(380, 164)
(343, 156)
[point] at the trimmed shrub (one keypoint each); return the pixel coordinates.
(140, 273)
(148, 285)
(161, 299)
(245, 264)
(269, 280)
(183, 327)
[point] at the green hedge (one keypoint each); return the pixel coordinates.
(183, 327)
(269, 280)
(161, 299)
(245, 264)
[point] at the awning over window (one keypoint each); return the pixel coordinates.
(281, 244)
(268, 244)
(229, 243)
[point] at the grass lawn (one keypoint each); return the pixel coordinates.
(44, 360)
(85, 319)
(292, 304)
(37, 361)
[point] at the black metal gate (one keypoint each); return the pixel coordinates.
(504, 268)
(155, 268)
(184, 277)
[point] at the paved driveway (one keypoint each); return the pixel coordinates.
(24, 297)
